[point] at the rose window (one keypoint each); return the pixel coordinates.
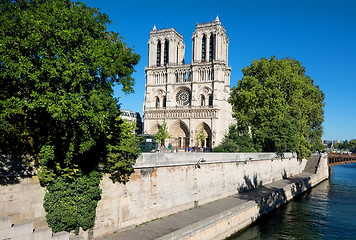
(183, 97)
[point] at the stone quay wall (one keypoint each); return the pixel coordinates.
(227, 223)
(166, 183)
(162, 184)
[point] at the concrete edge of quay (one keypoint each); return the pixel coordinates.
(227, 223)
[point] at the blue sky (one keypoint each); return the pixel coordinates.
(321, 34)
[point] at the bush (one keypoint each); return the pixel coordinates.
(71, 203)
(218, 149)
(237, 140)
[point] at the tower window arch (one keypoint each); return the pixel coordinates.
(166, 52)
(159, 53)
(210, 100)
(202, 100)
(203, 49)
(157, 102)
(211, 48)
(164, 101)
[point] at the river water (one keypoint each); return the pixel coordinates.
(328, 211)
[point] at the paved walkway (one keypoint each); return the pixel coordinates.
(166, 225)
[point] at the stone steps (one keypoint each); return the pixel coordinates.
(312, 164)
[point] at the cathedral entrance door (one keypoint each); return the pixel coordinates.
(208, 142)
(180, 132)
(186, 142)
(207, 134)
(179, 142)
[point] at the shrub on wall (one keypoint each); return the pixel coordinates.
(237, 139)
(71, 203)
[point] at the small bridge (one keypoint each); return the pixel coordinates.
(340, 158)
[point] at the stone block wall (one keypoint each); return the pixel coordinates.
(162, 184)
(23, 202)
(166, 183)
(27, 231)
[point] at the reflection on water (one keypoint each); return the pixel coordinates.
(328, 211)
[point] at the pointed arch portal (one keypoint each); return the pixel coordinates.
(207, 134)
(154, 128)
(179, 131)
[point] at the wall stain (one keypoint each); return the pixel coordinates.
(147, 172)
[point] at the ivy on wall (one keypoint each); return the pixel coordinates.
(71, 203)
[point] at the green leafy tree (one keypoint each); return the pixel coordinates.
(201, 136)
(58, 66)
(122, 150)
(338, 146)
(162, 133)
(237, 139)
(352, 145)
(318, 147)
(281, 106)
(346, 145)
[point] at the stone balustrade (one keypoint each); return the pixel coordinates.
(201, 113)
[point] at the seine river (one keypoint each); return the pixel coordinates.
(328, 211)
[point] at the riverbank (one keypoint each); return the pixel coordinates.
(328, 209)
(224, 217)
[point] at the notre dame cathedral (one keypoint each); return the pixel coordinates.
(192, 98)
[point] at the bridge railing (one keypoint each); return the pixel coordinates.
(341, 158)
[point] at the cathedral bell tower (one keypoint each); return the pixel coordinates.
(210, 43)
(165, 47)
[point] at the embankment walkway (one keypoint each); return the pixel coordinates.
(221, 218)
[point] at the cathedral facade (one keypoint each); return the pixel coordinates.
(192, 98)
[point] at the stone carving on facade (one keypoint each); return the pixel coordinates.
(160, 93)
(182, 75)
(182, 114)
(183, 97)
(205, 91)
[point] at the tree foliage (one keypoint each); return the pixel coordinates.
(58, 66)
(122, 150)
(201, 136)
(353, 145)
(162, 133)
(237, 139)
(346, 145)
(71, 203)
(280, 105)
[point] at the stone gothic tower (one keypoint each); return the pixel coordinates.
(190, 98)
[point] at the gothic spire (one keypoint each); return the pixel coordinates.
(217, 18)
